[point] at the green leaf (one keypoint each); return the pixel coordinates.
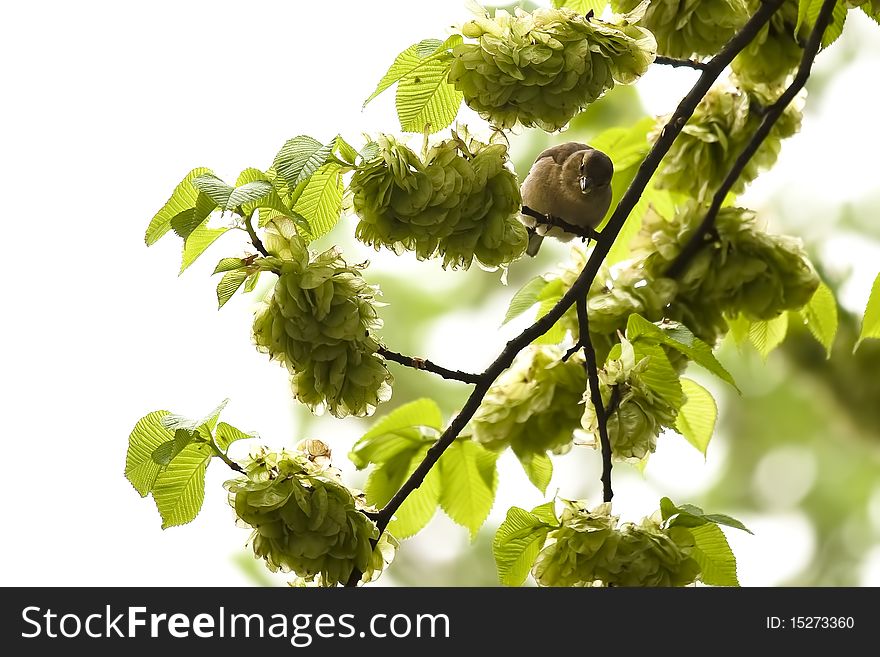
(197, 243)
(321, 201)
(414, 58)
(370, 151)
(549, 297)
(226, 434)
(272, 204)
(547, 512)
(386, 479)
(229, 284)
(425, 101)
(165, 453)
(660, 377)
(346, 151)
(180, 488)
(469, 479)
(213, 187)
(252, 192)
(713, 553)
(679, 338)
(229, 264)
(696, 418)
(739, 329)
(688, 515)
(174, 421)
(148, 434)
(251, 281)
(871, 320)
(188, 220)
(767, 335)
(871, 13)
(183, 198)
(539, 469)
(525, 298)
(626, 146)
(808, 12)
(517, 543)
(419, 507)
(820, 316)
(402, 424)
(300, 158)
(583, 6)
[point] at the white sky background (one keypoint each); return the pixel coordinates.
(106, 105)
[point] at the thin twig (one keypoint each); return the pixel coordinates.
(680, 63)
(255, 239)
(428, 366)
(582, 284)
(228, 461)
(592, 368)
(584, 232)
(770, 114)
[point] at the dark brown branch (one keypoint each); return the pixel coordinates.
(582, 284)
(680, 63)
(428, 366)
(585, 233)
(770, 114)
(228, 461)
(592, 368)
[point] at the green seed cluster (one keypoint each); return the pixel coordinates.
(719, 130)
(775, 52)
(743, 270)
(637, 413)
(541, 68)
(319, 324)
(687, 28)
(305, 521)
(534, 407)
(591, 549)
(461, 203)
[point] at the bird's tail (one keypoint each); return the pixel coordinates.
(534, 243)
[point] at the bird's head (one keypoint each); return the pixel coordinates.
(596, 170)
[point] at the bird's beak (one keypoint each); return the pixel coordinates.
(586, 184)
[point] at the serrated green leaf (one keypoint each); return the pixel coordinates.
(412, 59)
(321, 200)
(173, 421)
(370, 151)
(386, 479)
(425, 101)
(252, 192)
(229, 284)
(539, 470)
(398, 431)
(546, 512)
(183, 198)
(215, 188)
(873, 15)
(271, 204)
(226, 434)
(188, 220)
(680, 339)
(418, 509)
(626, 146)
(390, 473)
(871, 320)
(688, 515)
(165, 453)
(660, 377)
(820, 316)
(346, 151)
(767, 335)
(525, 298)
(517, 543)
(251, 281)
(696, 418)
(179, 489)
(468, 481)
(713, 553)
(808, 12)
(148, 434)
(583, 6)
(549, 297)
(197, 243)
(300, 158)
(229, 264)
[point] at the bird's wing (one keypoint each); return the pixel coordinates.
(561, 152)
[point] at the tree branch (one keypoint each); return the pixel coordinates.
(770, 115)
(582, 284)
(255, 239)
(595, 395)
(428, 366)
(680, 63)
(228, 461)
(585, 233)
